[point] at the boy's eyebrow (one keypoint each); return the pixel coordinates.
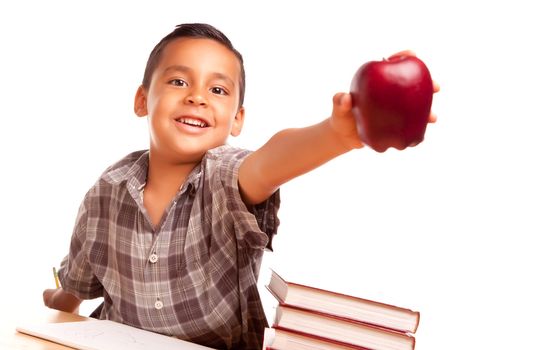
(185, 69)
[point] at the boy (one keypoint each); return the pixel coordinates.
(173, 237)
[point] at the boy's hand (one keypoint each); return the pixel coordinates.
(61, 300)
(343, 122)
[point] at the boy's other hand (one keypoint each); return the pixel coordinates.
(342, 121)
(61, 300)
(48, 296)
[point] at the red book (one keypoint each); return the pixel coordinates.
(284, 339)
(345, 306)
(343, 330)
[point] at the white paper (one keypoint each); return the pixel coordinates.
(105, 335)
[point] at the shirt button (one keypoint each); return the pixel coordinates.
(158, 305)
(153, 258)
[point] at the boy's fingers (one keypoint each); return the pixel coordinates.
(436, 87)
(336, 100)
(342, 100)
(403, 53)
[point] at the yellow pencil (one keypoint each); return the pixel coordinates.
(56, 279)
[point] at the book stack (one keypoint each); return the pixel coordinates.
(312, 318)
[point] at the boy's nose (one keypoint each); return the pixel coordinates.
(196, 99)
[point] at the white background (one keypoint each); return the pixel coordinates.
(445, 228)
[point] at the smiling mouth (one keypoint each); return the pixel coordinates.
(192, 122)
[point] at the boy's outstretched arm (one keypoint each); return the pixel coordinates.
(61, 300)
(293, 152)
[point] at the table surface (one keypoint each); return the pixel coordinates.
(11, 339)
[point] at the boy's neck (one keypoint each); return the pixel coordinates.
(164, 179)
(166, 176)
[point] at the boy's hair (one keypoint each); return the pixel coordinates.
(193, 30)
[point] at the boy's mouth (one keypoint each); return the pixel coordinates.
(192, 122)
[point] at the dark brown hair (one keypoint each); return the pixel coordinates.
(193, 30)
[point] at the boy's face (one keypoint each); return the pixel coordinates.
(192, 101)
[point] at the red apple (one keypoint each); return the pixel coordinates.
(392, 101)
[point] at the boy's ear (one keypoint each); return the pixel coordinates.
(140, 102)
(237, 122)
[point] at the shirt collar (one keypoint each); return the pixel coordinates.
(136, 175)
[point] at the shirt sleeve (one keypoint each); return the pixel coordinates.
(255, 225)
(75, 273)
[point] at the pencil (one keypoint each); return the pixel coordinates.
(56, 277)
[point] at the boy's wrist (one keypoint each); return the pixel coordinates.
(342, 142)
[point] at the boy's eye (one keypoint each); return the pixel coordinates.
(218, 90)
(178, 82)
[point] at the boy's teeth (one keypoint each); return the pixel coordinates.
(194, 122)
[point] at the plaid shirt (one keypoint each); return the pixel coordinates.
(194, 276)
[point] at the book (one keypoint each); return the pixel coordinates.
(105, 335)
(330, 327)
(282, 339)
(341, 305)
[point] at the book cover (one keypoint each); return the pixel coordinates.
(342, 305)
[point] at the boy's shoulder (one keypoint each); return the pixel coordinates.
(225, 152)
(126, 167)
